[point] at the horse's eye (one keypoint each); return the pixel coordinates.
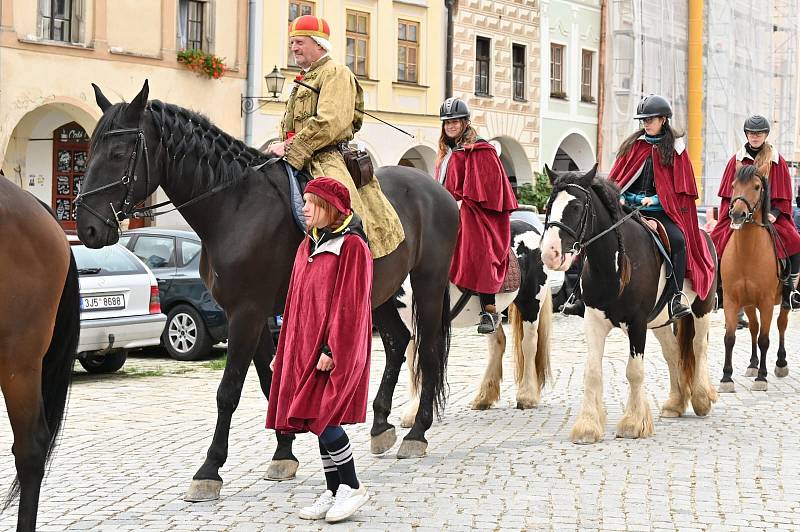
(758, 187)
(117, 155)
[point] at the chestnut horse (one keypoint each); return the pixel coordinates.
(750, 278)
(39, 327)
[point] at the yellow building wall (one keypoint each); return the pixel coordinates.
(136, 26)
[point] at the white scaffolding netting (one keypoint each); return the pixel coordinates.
(750, 66)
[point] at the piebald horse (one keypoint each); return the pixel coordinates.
(530, 316)
(750, 279)
(581, 216)
(39, 328)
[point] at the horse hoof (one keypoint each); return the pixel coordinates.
(586, 435)
(666, 412)
(480, 405)
(759, 386)
(280, 470)
(782, 372)
(726, 387)
(751, 372)
(382, 442)
(526, 404)
(203, 491)
(412, 449)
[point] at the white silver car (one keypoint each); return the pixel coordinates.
(120, 308)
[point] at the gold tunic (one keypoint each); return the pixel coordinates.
(324, 120)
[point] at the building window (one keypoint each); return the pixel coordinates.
(482, 62)
(518, 59)
(407, 50)
(57, 19)
(557, 71)
(587, 62)
(298, 8)
(357, 42)
(192, 25)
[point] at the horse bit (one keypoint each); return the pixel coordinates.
(751, 209)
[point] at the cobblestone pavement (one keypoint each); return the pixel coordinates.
(132, 443)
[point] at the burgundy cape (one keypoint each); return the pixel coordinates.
(780, 192)
(677, 191)
(476, 177)
(328, 303)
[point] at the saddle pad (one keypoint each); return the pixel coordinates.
(513, 277)
(659, 231)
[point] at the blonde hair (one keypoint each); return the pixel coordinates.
(468, 136)
(331, 213)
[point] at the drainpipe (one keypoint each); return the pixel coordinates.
(601, 80)
(250, 89)
(448, 68)
(695, 92)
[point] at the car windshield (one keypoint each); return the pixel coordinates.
(110, 260)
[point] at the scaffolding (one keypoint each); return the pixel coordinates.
(750, 62)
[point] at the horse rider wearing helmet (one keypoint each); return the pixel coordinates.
(654, 174)
(772, 166)
(315, 123)
(471, 171)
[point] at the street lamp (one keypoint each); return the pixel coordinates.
(274, 81)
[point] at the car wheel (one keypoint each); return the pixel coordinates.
(109, 363)
(185, 336)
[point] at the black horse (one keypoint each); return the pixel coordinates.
(249, 240)
(581, 215)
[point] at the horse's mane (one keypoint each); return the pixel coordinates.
(218, 157)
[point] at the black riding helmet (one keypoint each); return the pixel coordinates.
(653, 105)
(453, 108)
(756, 124)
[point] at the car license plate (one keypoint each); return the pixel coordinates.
(113, 301)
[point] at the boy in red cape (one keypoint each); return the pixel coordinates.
(321, 368)
(772, 166)
(471, 171)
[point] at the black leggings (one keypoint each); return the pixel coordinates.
(794, 262)
(677, 243)
(486, 299)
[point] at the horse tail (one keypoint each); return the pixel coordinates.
(433, 367)
(58, 363)
(542, 358)
(685, 332)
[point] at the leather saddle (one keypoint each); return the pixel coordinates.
(657, 229)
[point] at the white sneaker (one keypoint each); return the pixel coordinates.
(347, 502)
(319, 509)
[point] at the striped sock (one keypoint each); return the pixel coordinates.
(342, 455)
(329, 467)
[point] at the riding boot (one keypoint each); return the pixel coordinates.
(574, 306)
(677, 309)
(791, 297)
(489, 316)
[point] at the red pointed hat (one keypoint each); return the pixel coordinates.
(331, 191)
(309, 26)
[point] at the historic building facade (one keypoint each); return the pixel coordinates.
(496, 69)
(51, 51)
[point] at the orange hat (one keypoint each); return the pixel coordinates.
(309, 26)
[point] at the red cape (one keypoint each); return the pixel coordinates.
(328, 302)
(780, 188)
(677, 191)
(476, 177)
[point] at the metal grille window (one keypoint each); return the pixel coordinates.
(57, 20)
(587, 62)
(298, 8)
(357, 42)
(518, 58)
(557, 71)
(482, 64)
(407, 50)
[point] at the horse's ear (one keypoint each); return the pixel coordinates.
(551, 175)
(100, 98)
(136, 107)
(588, 177)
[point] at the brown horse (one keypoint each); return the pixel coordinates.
(39, 327)
(750, 278)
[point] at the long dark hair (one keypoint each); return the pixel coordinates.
(666, 148)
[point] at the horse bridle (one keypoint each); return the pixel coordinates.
(580, 234)
(751, 209)
(128, 181)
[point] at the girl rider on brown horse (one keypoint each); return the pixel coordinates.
(771, 165)
(471, 171)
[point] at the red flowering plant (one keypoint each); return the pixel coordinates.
(203, 63)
